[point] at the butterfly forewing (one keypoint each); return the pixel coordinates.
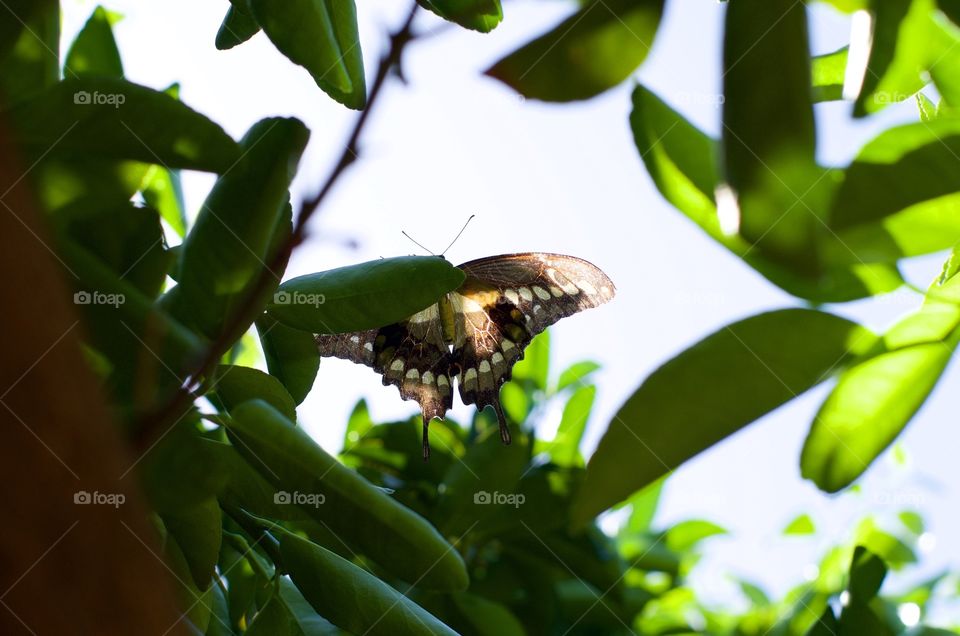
(502, 304)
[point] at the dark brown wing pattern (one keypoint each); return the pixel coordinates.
(410, 355)
(504, 302)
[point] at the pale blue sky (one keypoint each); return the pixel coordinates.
(563, 179)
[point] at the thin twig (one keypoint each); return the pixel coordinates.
(181, 400)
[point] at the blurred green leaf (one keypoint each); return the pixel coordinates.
(351, 597)
(754, 593)
(362, 515)
(913, 521)
(695, 400)
(197, 531)
(321, 36)
(196, 600)
(564, 449)
(827, 625)
(777, 192)
(236, 384)
(291, 355)
(575, 374)
(899, 197)
(590, 52)
(683, 163)
(643, 507)
(184, 469)
(479, 15)
(111, 118)
(94, 51)
(928, 110)
(800, 525)
(867, 572)
(273, 619)
(234, 235)
(162, 191)
(357, 426)
(238, 25)
(533, 371)
(686, 535)
(29, 49)
(910, 43)
(827, 73)
(364, 296)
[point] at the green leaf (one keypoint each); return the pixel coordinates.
(238, 25)
(197, 530)
(291, 356)
(364, 296)
(875, 399)
(235, 385)
(273, 619)
(800, 525)
(485, 617)
(697, 399)
(196, 601)
(29, 49)
(899, 197)
(826, 625)
(686, 535)
(358, 425)
(321, 36)
(116, 119)
(684, 165)
(395, 537)
(350, 597)
(235, 233)
(575, 374)
(306, 618)
(643, 507)
(928, 110)
(754, 593)
(479, 15)
(910, 43)
(564, 450)
(913, 521)
(94, 51)
(595, 49)
(827, 74)
(162, 191)
(769, 137)
(533, 371)
(867, 572)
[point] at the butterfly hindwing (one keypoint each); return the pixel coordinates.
(503, 303)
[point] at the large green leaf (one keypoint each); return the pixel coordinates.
(321, 36)
(236, 384)
(874, 400)
(233, 238)
(116, 119)
(364, 296)
(698, 398)
(362, 515)
(350, 597)
(479, 15)
(593, 50)
(684, 165)
(94, 50)
(900, 196)
(827, 72)
(291, 355)
(197, 530)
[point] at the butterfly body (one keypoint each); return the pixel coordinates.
(476, 333)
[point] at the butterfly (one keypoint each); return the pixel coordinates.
(476, 333)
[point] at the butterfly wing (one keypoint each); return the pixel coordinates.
(410, 355)
(503, 303)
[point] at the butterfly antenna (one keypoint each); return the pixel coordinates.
(458, 234)
(417, 243)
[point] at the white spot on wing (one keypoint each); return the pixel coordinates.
(526, 293)
(541, 293)
(506, 345)
(413, 374)
(427, 377)
(587, 287)
(368, 346)
(556, 291)
(484, 366)
(497, 357)
(512, 296)
(355, 339)
(442, 380)
(397, 365)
